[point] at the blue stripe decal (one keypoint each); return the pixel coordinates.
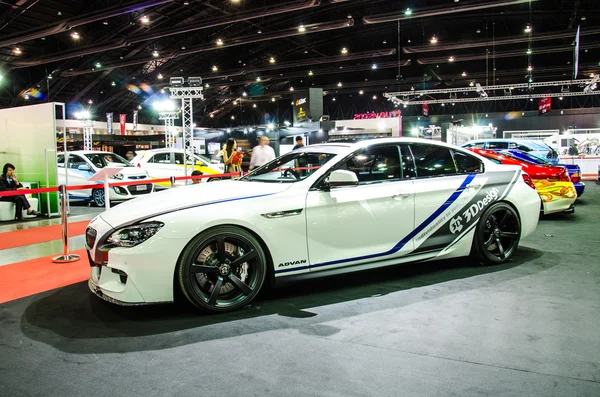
(405, 240)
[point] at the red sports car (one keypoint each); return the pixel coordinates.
(551, 182)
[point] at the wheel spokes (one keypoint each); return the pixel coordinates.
(248, 256)
(505, 218)
(221, 249)
(240, 284)
(489, 241)
(201, 268)
(500, 247)
(509, 235)
(215, 292)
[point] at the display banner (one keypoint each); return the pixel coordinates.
(122, 122)
(545, 105)
(576, 54)
(308, 105)
(109, 121)
(425, 108)
(380, 115)
(135, 121)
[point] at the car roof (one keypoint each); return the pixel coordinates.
(87, 152)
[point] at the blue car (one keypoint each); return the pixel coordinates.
(573, 169)
(535, 147)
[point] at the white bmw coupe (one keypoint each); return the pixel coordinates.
(320, 210)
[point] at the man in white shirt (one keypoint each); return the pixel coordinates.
(261, 154)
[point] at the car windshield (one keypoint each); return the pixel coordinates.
(102, 160)
(291, 167)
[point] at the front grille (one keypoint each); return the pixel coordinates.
(90, 237)
(135, 177)
(136, 191)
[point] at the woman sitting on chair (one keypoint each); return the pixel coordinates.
(8, 182)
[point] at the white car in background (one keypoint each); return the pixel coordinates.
(168, 162)
(82, 164)
(343, 207)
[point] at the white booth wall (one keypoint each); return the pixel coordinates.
(393, 124)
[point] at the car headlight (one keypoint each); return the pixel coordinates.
(118, 176)
(134, 235)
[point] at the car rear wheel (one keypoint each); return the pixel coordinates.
(98, 197)
(222, 270)
(497, 234)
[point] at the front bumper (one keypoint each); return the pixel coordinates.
(579, 188)
(118, 193)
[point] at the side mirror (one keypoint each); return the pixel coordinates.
(84, 167)
(339, 178)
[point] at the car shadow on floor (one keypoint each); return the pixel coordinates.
(72, 319)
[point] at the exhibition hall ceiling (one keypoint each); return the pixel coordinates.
(116, 56)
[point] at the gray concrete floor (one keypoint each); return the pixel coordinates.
(527, 328)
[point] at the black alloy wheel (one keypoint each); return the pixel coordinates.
(497, 235)
(222, 270)
(98, 197)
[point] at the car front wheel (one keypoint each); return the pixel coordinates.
(98, 197)
(222, 270)
(497, 234)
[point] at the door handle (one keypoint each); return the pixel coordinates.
(401, 196)
(474, 185)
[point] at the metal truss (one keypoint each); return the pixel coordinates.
(169, 118)
(496, 98)
(490, 88)
(88, 130)
(187, 95)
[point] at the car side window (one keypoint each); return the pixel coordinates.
(178, 158)
(466, 164)
(60, 161)
(375, 165)
(497, 145)
(432, 160)
(161, 158)
(408, 167)
(523, 148)
(75, 161)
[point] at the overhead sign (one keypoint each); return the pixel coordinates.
(109, 122)
(380, 115)
(301, 109)
(544, 105)
(425, 108)
(135, 121)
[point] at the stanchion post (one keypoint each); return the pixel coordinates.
(106, 193)
(65, 257)
(172, 181)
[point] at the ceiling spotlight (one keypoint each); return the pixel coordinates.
(272, 60)
(207, 85)
(154, 53)
(244, 94)
(235, 1)
(75, 36)
(98, 65)
(105, 22)
(561, 98)
(259, 31)
(478, 31)
(258, 79)
(211, 115)
(310, 73)
(464, 74)
(374, 97)
(272, 99)
(530, 68)
(17, 51)
(433, 40)
(361, 92)
(254, 105)
(291, 88)
(374, 66)
(160, 76)
(451, 59)
(215, 68)
(333, 99)
(139, 107)
(49, 77)
(529, 51)
(26, 96)
(232, 117)
(219, 42)
(472, 84)
(145, 19)
(90, 102)
(235, 102)
(301, 29)
(340, 84)
(344, 50)
(528, 29)
(113, 84)
(408, 12)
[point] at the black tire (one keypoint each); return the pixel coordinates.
(497, 234)
(214, 179)
(226, 257)
(98, 197)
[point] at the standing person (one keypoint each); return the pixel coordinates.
(129, 155)
(8, 182)
(198, 180)
(262, 154)
(228, 155)
(299, 143)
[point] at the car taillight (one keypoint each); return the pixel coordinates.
(564, 176)
(528, 181)
(138, 165)
(576, 177)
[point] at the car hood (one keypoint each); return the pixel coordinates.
(188, 196)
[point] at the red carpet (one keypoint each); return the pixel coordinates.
(31, 277)
(21, 238)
